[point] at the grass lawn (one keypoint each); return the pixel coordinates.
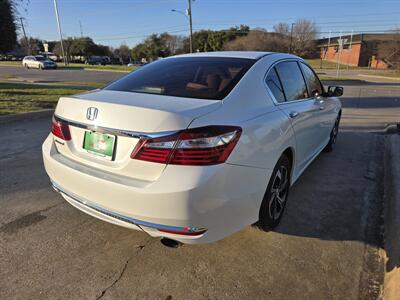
(331, 78)
(384, 73)
(316, 64)
(11, 63)
(21, 97)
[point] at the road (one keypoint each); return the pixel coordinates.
(327, 246)
(59, 75)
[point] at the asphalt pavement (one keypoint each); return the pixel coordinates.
(57, 76)
(327, 246)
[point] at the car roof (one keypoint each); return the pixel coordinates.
(236, 54)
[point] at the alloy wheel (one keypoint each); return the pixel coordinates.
(279, 192)
(335, 131)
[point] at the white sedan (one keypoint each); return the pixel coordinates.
(193, 147)
(38, 62)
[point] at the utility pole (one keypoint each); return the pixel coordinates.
(189, 13)
(80, 26)
(291, 38)
(326, 50)
(188, 16)
(350, 47)
(340, 47)
(59, 31)
(26, 39)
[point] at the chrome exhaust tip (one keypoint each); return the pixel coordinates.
(170, 243)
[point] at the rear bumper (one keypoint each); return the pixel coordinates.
(220, 199)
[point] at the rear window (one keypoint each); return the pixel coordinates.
(190, 77)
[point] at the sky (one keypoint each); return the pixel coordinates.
(116, 22)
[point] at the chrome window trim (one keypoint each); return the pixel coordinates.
(269, 90)
(114, 131)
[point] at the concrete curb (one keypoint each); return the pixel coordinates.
(392, 218)
(26, 116)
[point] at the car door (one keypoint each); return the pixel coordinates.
(33, 62)
(29, 61)
(326, 106)
(286, 82)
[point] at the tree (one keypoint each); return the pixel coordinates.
(302, 40)
(156, 46)
(282, 28)
(304, 36)
(79, 49)
(32, 45)
(259, 40)
(8, 27)
(210, 40)
(102, 50)
(123, 52)
(67, 43)
(82, 47)
(173, 43)
(139, 52)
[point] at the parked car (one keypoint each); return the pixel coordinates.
(193, 147)
(38, 62)
(135, 64)
(95, 60)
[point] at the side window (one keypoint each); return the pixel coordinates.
(313, 83)
(292, 80)
(275, 86)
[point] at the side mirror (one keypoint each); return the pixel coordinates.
(335, 91)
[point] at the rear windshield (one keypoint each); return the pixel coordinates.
(190, 77)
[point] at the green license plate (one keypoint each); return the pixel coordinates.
(99, 143)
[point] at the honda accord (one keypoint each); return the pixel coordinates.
(193, 147)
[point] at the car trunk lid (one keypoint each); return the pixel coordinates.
(123, 117)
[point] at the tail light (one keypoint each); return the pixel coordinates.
(60, 129)
(208, 145)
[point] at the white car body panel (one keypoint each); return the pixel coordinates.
(222, 198)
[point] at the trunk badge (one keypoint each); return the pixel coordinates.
(91, 113)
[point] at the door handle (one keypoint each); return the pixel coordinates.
(293, 114)
(321, 107)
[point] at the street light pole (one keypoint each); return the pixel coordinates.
(188, 15)
(291, 38)
(26, 38)
(189, 12)
(59, 31)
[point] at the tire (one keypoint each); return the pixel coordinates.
(40, 67)
(272, 208)
(333, 137)
(26, 66)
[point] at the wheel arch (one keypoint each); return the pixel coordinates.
(290, 154)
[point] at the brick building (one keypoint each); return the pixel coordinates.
(362, 52)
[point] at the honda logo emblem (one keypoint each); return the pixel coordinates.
(91, 113)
